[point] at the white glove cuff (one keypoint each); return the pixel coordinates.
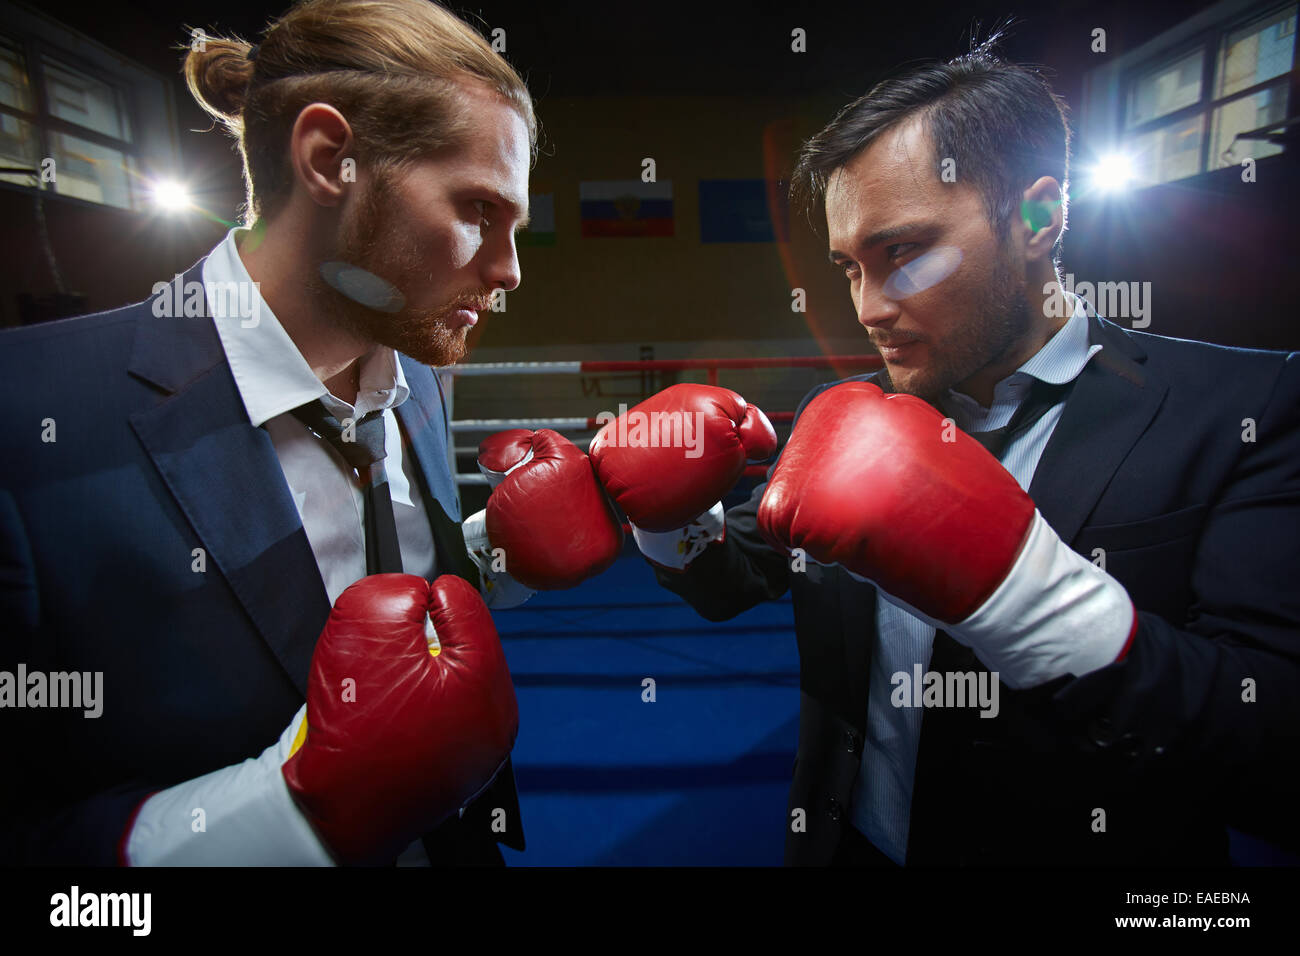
(249, 818)
(676, 549)
(498, 588)
(1055, 613)
(495, 478)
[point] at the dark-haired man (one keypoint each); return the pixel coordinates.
(1147, 636)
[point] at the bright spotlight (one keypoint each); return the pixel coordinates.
(1113, 173)
(170, 196)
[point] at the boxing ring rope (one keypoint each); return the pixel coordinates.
(710, 365)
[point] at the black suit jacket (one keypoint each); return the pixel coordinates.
(153, 457)
(1196, 729)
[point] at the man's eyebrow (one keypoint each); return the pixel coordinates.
(514, 208)
(884, 235)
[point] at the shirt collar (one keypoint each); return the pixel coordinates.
(269, 371)
(1060, 360)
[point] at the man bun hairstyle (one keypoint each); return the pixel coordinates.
(394, 68)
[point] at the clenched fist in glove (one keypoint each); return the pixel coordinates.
(868, 481)
(547, 514)
(427, 727)
(398, 733)
(672, 457)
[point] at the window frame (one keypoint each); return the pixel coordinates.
(151, 148)
(1211, 41)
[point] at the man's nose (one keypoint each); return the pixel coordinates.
(874, 308)
(502, 271)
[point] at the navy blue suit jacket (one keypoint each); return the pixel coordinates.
(1197, 511)
(154, 457)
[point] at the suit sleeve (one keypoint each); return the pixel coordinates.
(1216, 703)
(742, 570)
(34, 829)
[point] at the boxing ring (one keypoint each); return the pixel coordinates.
(588, 425)
(701, 774)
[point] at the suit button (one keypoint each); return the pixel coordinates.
(1101, 732)
(834, 811)
(851, 741)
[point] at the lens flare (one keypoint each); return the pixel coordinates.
(1113, 172)
(170, 195)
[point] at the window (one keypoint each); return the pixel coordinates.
(54, 107)
(1184, 114)
(1167, 90)
(19, 145)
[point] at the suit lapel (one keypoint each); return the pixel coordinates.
(227, 480)
(424, 422)
(427, 433)
(1113, 401)
(858, 625)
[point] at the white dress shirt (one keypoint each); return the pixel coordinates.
(273, 379)
(882, 795)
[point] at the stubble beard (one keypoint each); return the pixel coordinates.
(1001, 320)
(426, 335)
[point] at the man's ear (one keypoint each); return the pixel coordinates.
(320, 141)
(1037, 215)
(1042, 215)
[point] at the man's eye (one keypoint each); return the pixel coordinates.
(481, 206)
(849, 266)
(893, 252)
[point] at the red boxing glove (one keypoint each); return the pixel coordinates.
(548, 513)
(866, 481)
(886, 487)
(419, 730)
(674, 456)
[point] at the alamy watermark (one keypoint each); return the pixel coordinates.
(73, 689)
(75, 908)
(225, 300)
(638, 429)
(948, 689)
(1113, 300)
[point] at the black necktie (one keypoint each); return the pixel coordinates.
(947, 733)
(1042, 397)
(363, 449)
(366, 453)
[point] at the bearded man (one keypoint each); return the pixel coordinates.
(236, 497)
(1042, 565)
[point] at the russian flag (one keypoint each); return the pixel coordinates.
(626, 207)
